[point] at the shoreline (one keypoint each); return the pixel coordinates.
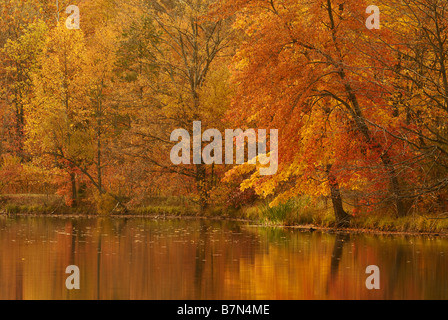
(253, 223)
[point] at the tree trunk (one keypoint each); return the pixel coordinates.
(98, 160)
(357, 115)
(74, 200)
(394, 186)
(19, 134)
(201, 184)
(342, 217)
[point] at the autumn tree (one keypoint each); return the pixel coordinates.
(170, 59)
(57, 112)
(19, 61)
(16, 15)
(21, 31)
(310, 68)
(421, 92)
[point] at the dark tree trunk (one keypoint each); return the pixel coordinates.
(355, 111)
(74, 199)
(342, 217)
(394, 186)
(19, 131)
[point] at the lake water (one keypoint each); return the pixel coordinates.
(140, 258)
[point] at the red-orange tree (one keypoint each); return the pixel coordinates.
(310, 69)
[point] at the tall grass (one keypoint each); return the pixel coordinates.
(280, 212)
(298, 211)
(412, 223)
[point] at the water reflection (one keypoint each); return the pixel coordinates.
(199, 259)
(339, 242)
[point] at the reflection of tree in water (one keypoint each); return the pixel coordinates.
(397, 267)
(104, 225)
(19, 280)
(275, 235)
(340, 241)
(220, 247)
(200, 258)
(119, 225)
(154, 259)
(73, 229)
(75, 232)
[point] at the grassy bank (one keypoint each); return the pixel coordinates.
(319, 214)
(296, 212)
(39, 204)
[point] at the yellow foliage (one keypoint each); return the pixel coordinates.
(105, 203)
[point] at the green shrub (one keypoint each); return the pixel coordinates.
(279, 212)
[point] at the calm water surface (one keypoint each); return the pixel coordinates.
(196, 259)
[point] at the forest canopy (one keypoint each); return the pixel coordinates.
(87, 113)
